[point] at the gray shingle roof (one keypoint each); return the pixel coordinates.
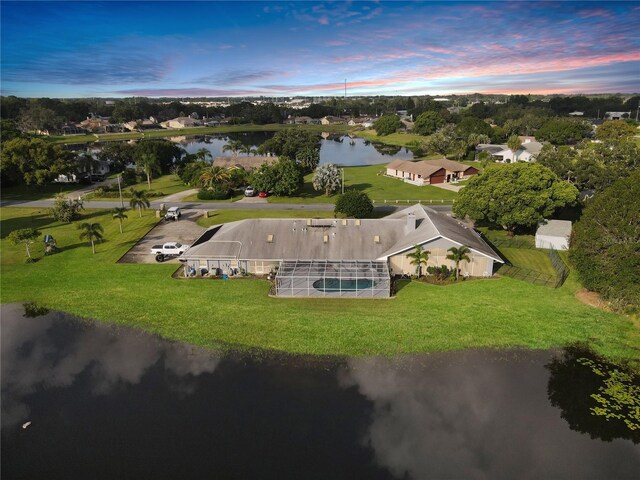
(328, 239)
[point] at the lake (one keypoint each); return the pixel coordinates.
(334, 148)
(115, 403)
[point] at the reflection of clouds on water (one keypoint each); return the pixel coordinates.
(472, 416)
(51, 352)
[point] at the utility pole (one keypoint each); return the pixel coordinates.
(120, 190)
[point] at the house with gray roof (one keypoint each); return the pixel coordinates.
(528, 151)
(338, 257)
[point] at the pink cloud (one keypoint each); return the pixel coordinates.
(595, 12)
(324, 20)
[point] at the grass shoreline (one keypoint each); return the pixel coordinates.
(497, 314)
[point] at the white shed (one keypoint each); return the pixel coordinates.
(554, 234)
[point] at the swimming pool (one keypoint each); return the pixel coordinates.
(338, 285)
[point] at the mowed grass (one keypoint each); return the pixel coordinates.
(494, 313)
(400, 139)
(223, 216)
(371, 180)
(37, 192)
(165, 184)
(531, 259)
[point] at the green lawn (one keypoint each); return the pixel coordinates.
(495, 313)
(401, 139)
(531, 259)
(36, 192)
(224, 216)
(165, 184)
(370, 179)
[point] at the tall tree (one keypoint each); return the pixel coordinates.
(148, 163)
(514, 145)
(459, 254)
(119, 213)
(139, 200)
(233, 146)
(514, 195)
(419, 257)
(428, 122)
(605, 247)
(25, 236)
(204, 155)
(327, 177)
(92, 232)
(354, 203)
(386, 125)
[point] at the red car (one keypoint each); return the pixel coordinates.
(263, 194)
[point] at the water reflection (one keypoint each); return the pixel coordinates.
(53, 352)
(579, 379)
(476, 415)
(110, 402)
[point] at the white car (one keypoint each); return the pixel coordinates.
(169, 248)
(173, 214)
(249, 191)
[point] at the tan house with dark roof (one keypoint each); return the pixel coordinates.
(430, 172)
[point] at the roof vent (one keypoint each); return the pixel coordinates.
(344, 221)
(309, 222)
(376, 238)
(325, 238)
(357, 222)
(270, 238)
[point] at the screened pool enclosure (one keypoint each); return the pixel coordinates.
(333, 278)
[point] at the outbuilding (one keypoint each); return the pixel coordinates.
(553, 235)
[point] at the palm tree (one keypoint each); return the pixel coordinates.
(87, 163)
(139, 200)
(514, 145)
(148, 163)
(234, 146)
(204, 155)
(92, 232)
(418, 258)
(212, 175)
(246, 149)
(120, 213)
(458, 255)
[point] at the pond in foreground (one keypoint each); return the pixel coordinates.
(110, 403)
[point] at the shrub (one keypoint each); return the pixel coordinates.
(442, 272)
(354, 204)
(215, 194)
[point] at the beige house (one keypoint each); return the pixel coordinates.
(246, 162)
(430, 172)
(325, 248)
(181, 122)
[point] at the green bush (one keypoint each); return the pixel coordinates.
(605, 247)
(216, 194)
(354, 204)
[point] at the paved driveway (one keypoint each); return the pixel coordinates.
(185, 231)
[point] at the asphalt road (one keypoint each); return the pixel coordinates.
(213, 205)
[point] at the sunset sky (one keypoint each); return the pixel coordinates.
(120, 49)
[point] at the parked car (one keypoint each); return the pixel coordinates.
(97, 177)
(263, 194)
(173, 213)
(169, 248)
(249, 191)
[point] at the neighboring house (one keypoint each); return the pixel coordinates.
(181, 122)
(70, 129)
(576, 114)
(331, 120)
(245, 162)
(554, 235)
(360, 121)
(146, 124)
(501, 153)
(95, 124)
(429, 172)
(303, 120)
(338, 257)
(617, 115)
